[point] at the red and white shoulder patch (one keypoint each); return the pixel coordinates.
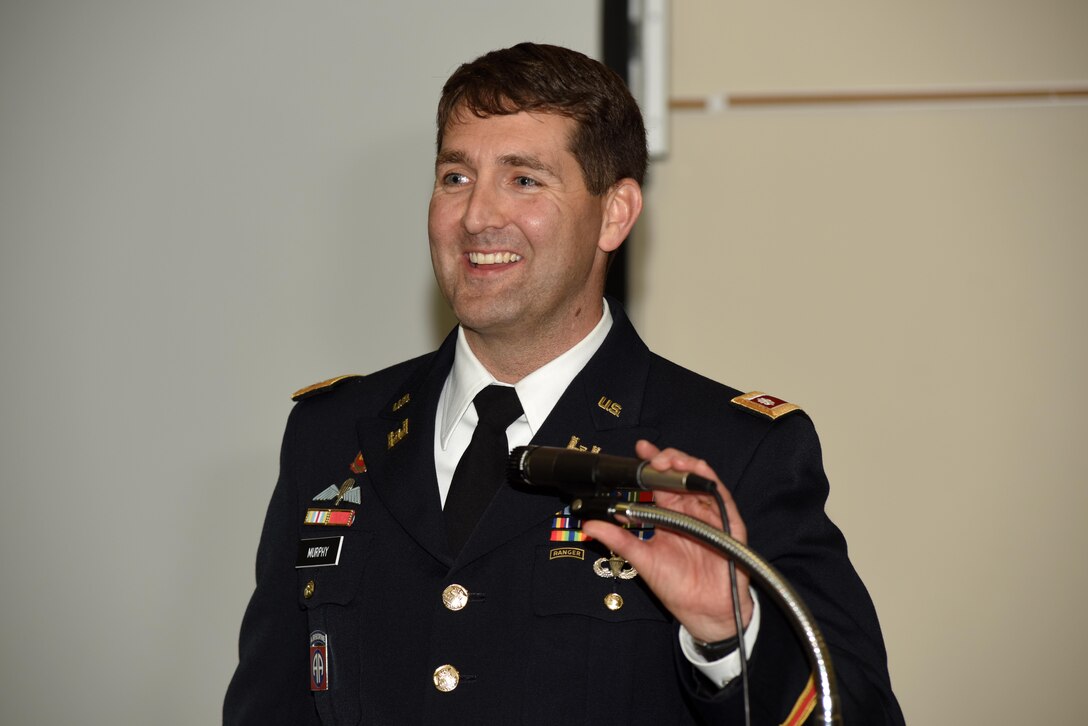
(765, 405)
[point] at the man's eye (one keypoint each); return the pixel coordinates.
(454, 178)
(525, 181)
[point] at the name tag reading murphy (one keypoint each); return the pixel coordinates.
(319, 552)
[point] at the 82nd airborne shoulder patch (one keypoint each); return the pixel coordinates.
(319, 661)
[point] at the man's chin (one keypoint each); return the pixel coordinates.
(487, 317)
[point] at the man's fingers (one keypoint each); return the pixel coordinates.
(613, 537)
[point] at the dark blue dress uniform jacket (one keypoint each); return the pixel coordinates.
(535, 644)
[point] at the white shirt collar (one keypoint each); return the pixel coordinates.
(539, 391)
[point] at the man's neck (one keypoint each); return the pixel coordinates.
(512, 355)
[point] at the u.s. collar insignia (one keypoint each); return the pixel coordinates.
(610, 406)
(345, 492)
(769, 406)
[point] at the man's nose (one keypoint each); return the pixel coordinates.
(484, 210)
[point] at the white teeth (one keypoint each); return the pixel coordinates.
(492, 258)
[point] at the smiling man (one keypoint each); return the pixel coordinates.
(518, 243)
(438, 594)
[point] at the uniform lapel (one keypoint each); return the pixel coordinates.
(602, 407)
(403, 475)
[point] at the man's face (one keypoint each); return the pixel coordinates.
(513, 230)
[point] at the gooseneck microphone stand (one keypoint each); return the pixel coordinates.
(827, 702)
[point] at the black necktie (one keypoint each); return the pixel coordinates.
(482, 467)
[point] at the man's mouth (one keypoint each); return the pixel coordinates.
(492, 258)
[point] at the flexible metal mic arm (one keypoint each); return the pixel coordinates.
(827, 695)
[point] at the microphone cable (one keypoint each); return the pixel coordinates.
(735, 592)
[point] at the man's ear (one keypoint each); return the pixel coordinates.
(622, 205)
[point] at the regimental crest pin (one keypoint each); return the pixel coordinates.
(573, 444)
(358, 466)
(396, 436)
(319, 661)
(347, 492)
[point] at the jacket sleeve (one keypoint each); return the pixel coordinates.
(270, 684)
(781, 493)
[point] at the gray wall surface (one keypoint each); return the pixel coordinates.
(203, 207)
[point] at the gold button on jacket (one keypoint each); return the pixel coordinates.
(446, 678)
(455, 597)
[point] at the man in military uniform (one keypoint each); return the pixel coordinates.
(400, 583)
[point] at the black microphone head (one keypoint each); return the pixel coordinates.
(515, 465)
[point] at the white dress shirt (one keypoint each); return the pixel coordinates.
(538, 392)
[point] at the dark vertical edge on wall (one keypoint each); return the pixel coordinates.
(615, 50)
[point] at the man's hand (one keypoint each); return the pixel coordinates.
(689, 578)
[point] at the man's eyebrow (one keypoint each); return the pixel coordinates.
(449, 156)
(453, 157)
(528, 162)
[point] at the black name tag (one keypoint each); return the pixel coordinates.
(319, 552)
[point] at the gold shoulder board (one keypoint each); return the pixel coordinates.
(768, 406)
(320, 387)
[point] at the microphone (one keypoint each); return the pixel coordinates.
(583, 474)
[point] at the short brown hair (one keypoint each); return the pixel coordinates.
(610, 140)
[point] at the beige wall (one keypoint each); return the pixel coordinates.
(914, 277)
